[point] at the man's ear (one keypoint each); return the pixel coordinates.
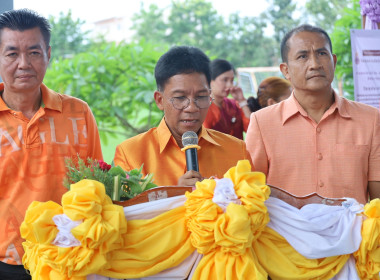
(285, 70)
(335, 60)
(49, 53)
(271, 101)
(158, 97)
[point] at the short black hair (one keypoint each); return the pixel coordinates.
(301, 28)
(181, 60)
(219, 66)
(25, 19)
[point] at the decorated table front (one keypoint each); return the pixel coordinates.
(225, 229)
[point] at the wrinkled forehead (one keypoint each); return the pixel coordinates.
(28, 37)
(188, 82)
(308, 39)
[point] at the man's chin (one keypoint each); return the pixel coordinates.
(188, 127)
(25, 86)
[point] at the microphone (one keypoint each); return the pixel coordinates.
(190, 146)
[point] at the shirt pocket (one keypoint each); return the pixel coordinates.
(352, 159)
(351, 167)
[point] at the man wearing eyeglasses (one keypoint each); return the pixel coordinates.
(183, 94)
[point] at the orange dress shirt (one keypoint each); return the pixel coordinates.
(32, 154)
(229, 119)
(161, 155)
(336, 157)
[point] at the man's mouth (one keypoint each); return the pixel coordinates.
(316, 76)
(25, 76)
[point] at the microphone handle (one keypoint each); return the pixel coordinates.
(192, 159)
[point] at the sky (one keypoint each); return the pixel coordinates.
(94, 10)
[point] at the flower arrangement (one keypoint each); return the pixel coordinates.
(119, 184)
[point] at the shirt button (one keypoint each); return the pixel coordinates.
(319, 129)
(319, 156)
(321, 184)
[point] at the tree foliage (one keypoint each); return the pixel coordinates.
(118, 83)
(149, 24)
(281, 15)
(324, 13)
(240, 40)
(67, 36)
(341, 42)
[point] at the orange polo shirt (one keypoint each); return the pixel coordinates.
(229, 119)
(334, 158)
(32, 156)
(161, 155)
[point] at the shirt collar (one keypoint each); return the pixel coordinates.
(50, 99)
(292, 107)
(3, 106)
(164, 135)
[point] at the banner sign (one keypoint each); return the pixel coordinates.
(365, 46)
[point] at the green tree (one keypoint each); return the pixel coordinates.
(281, 15)
(149, 24)
(341, 42)
(324, 13)
(117, 82)
(245, 44)
(67, 36)
(195, 22)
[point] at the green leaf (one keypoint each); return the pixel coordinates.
(117, 170)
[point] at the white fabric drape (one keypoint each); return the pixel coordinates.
(64, 237)
(318, 230)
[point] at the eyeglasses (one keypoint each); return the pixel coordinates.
(182, 102)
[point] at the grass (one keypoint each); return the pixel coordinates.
(109, 148)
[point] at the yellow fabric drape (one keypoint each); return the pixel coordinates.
(225, 239)
(368, 255)
(100, 232)
(282, 261)
(236, 244)
(151, 246)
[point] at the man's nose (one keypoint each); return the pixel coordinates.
(24, 61)
(315, 62)
(192, 106)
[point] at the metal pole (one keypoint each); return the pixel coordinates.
(5, 5)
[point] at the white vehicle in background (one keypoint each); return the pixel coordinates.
(249, 78)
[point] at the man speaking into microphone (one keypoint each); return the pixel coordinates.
(183, 93)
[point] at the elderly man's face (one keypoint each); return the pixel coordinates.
(193, 86)
(311, 65)
(24, 58)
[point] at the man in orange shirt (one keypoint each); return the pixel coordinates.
(316, 141)
(39, 128)
(183, 93)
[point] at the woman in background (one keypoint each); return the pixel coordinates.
(230, 116)
(271, 90)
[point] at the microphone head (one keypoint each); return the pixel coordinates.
(189, 138)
